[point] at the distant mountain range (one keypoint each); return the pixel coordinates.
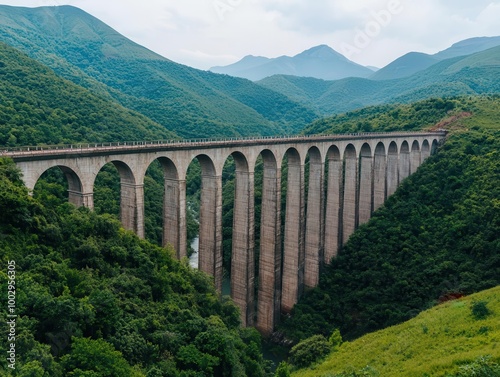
(474, 74)
(321, 62)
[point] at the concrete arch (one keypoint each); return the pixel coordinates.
(131, 197)
(365, 198)
(379, 173)
(174, 207)
(415, 156)
(242, 255)
(434, 146)
(349, 208)
(269, 294)
(334, 197)
(392, 168)
(293, 246)
(75, 186)
(426, 149)
(314, 227)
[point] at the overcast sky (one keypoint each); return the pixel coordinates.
(204, 33)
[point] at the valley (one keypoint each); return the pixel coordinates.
(96, 300)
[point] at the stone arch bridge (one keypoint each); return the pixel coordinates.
(350, 176)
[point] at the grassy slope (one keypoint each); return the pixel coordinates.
(436, 342)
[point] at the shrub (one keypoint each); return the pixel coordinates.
(480, 310)
(309, 351)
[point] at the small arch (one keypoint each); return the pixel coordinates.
(314, 155)
(405, 148)
(333, 153)
(416, 156)
(366, 151)
(434, 147)
(426, 149)
(393, 148)
(73, 184)
(380, 149)
(415, 147)
(350, 151)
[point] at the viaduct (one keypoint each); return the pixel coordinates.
(350, 176)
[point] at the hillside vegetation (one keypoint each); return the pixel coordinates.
(190, 102)
(475, 74)
(436, 236)
(38, 107)
(94, 300)
(457, 338)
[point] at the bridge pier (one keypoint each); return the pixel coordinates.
(293, 256)
(333, 204)
(242, 259)
(174, 216)
(314, 221)
(132, 207)
(379, 181)
(349, 218)
(269, 294)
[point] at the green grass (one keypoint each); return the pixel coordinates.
(435, 343)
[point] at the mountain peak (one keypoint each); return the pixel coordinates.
(320, 51)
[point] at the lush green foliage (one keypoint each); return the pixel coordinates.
(309, 351)
(190, 102)
(38, 107)
(444, 341)
(92, 297)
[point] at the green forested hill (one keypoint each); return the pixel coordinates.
(436, 237)
(38, 107)
(475, 74)
(94, 300)
(191, 102)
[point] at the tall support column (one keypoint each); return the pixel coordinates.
(350, 194)
(132, 207)
(314, 253)
(174, 216)
(269, 295)
(415, 159)
(379, 180)
(242, 260)
(210, 248)
(365, 187)
(333, 207)
(293, 256)
(404, 161)
(392, 170)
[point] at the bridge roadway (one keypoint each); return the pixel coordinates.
(350, 176)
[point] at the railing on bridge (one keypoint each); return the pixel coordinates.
(27, 150)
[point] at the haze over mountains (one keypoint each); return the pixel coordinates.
(320, 62)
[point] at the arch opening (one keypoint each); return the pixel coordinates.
(61, 184)
(334, 200)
